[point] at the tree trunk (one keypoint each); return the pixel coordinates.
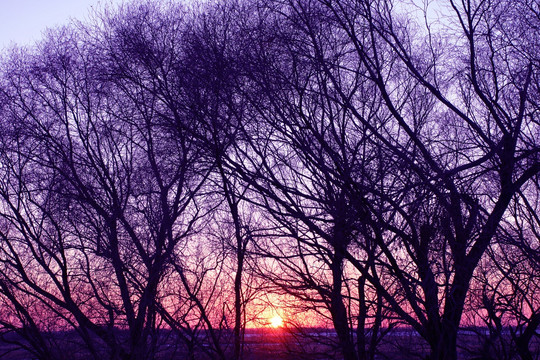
(445, 347)
(362, 315)
(523, 340)
(338, 310)
(238, 305)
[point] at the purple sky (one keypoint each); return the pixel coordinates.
(22, 21)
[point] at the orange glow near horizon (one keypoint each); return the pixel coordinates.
(276, 321)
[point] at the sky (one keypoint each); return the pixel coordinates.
(22, 21)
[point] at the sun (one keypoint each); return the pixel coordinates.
(276, 322)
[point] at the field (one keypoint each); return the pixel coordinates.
(283, 344)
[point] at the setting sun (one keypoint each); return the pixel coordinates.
(276, 322)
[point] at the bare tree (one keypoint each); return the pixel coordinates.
(462, 132)
(506, 285)
(96, 158)
(363, 157)
(454, 132)
(305, 159)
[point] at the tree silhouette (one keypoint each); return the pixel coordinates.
(374, 161)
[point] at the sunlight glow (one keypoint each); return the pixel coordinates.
(276, 322)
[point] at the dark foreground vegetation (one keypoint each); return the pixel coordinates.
(281, 344)
(184, 172)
